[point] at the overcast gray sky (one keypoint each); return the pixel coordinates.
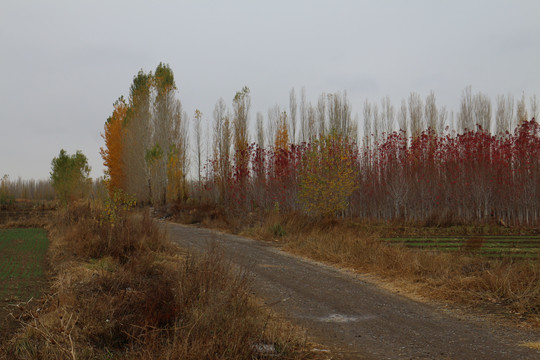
(64, 63)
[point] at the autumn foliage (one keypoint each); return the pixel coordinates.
(470, 177)
(112, 154)
(146, 142)
(327, 175)
(434, 170)
(474, 176)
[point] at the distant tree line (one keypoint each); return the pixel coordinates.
(12, 190)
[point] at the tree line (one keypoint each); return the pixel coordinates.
(11, 190)
(146, 141)
(416, 162)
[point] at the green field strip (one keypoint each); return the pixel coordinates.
(513, 256)
(497, 247)
(507, 246)
(464, 247)
(520, 243)
(466, 237)
(513, 250)
(504, 246)
(427, 242)
(432, 245)
(22, 254)
(441, 248)
(486, 239)
(472, 246)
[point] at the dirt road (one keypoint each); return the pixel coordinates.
(355, 318)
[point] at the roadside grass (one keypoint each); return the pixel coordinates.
(122, 291)
(501, 283)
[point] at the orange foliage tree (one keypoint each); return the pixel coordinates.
(112, 154)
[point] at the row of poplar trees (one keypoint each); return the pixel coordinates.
(146, 141)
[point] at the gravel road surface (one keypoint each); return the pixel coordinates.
(354, 318)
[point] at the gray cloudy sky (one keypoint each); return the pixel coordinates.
(64, 63)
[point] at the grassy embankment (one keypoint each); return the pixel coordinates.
(503, 284)
(121, 291)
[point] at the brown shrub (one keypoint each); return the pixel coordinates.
(90, 234)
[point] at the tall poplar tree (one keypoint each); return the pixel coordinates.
(241, 106)
(137, 137)
(222, 146)
(164, 112)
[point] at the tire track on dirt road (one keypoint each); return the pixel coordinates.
(354, 318)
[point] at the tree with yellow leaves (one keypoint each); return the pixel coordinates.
(282, 133)
(327, 175)
(176, 175)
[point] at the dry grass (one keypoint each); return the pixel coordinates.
(26, 213)
(510, 286)
(122, 292)
(36, 220)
